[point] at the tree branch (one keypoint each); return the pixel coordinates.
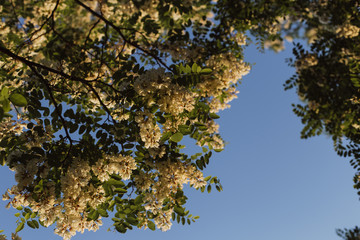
(32, 65)
(134, 44)
(48, 88)
(51, 16)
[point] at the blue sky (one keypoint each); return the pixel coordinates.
(276, 186)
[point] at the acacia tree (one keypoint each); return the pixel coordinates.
(96, 97)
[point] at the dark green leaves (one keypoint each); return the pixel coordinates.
(151, 225)
(33, 224)
(93, 215)
(1, 113)
(133, 221)
(179, 210)
(103, 212)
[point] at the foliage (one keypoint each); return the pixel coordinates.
(327, 80)
(349, 234)
(96, 97)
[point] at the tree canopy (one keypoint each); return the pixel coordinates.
(96, 97)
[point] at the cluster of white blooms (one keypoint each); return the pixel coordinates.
(157, 152)
(69, 210)
(214, 142)
(348, 55)
(120, 165)
(162, 183)
(10, 127)
(124, 10)
(150, 132)
(347, 30)
(227, 71)
(5, 29)
(277, 45)
(240, 38)
(211, 139)
(172, 126)
(180, 52)
(172, 98)
(217, 104)
(306, 61)
(66, 200)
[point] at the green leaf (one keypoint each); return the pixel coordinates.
(184, 129)
(93, 215)
(4, 94)
(17, 214)
(103, 212)
(133, 221)
(19, 227)
(179, 210)
(151, 225)
(120, 190)
(176, 137)
(120, 228)
(207, 178)
(194, 68)
(6, 105)
(36, 223)
(214, 116)
(206, 71)
(165, 136)
(18, 100)
(138, 200)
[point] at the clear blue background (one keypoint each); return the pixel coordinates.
(276, 186)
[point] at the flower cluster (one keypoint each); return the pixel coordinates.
(150, 132)
(347, 30)
(155, 86)
(307, 60)
(69, 210)
(92, 76)
(169, 176)
(228, 70)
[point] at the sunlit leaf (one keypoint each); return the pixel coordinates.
(18, 100)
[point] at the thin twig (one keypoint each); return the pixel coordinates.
(51, 16)
(74, 78)
(57, 109)
(134, 44)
